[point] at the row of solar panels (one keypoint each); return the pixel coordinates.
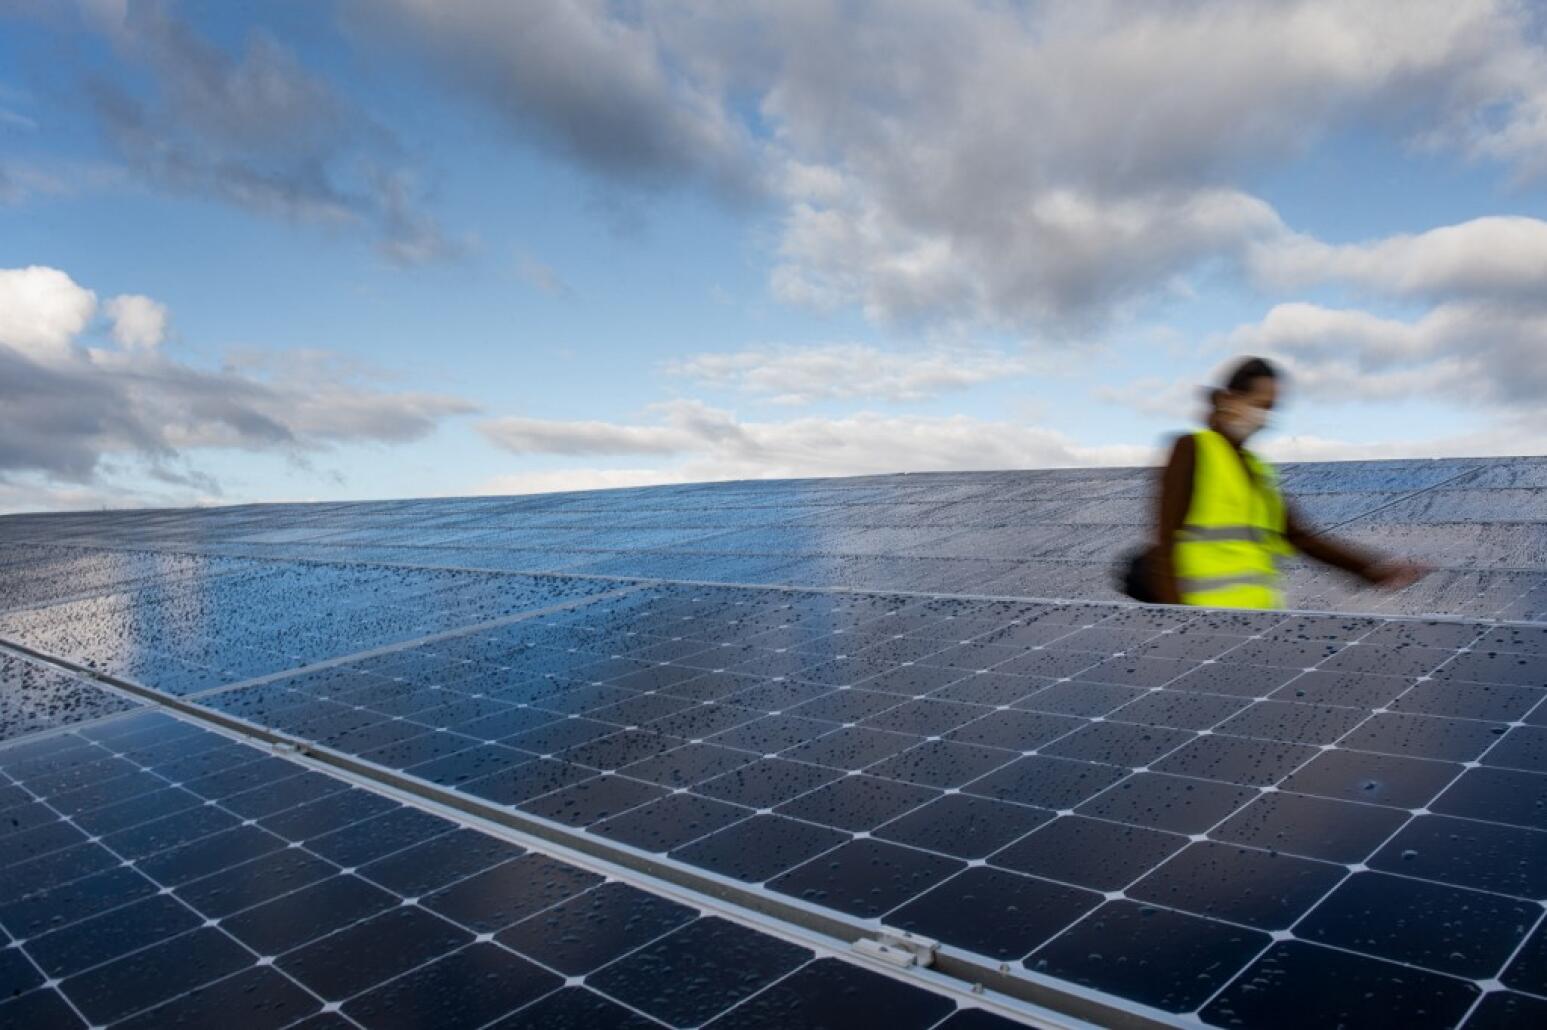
(1191, 814)
(157, 874)
(1034, 534)
(1234, 818)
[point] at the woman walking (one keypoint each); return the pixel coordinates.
(1223, 523)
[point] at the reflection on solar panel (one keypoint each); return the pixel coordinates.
(35, 696)
(1120, 811)
(1049, 533)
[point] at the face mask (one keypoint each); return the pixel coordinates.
(1243, 422)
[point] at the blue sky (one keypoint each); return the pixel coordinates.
(340, 249)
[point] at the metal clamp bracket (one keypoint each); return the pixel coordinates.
(898, 948)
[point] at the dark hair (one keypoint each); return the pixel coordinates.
(1241, 377)
(1248, 369)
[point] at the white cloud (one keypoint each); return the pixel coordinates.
(1048, 257)
(1511, 437)
(1015, 164)
(1474, 351)
(800, 375)
(252, 127)
(867, 444)
(70, 409)
(1481, 343)
(991, 162)
(1477, 344)
(1170, 399)
(32, 493)
(581, 77)
(544, 436)
(138, 321)
(1313, 333)
(1498, 257)
(1039, 166)
(42, 310)
(713, 444)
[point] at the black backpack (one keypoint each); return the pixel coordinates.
(1135, 575)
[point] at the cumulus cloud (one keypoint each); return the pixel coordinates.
(1464, 352)
(706, 445)
(138, 321)
(1514, 435)
(1501, 258)
(712, 444)
(42, 311)
(254, 129)
(986, 161)
(70, 408)
(583, 78)
(1456, 314)
(1508, 439)
(995, 161)
(1062, 256)
(546, 436)
(800, 375)
(1482, 340)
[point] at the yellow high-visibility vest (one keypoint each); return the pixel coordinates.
(1226, 553)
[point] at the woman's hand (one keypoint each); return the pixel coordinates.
(1395, 575)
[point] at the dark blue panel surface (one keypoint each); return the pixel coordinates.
(848, 749)
(340, 900)
(37, 697)
(1350, 990)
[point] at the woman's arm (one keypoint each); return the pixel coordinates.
(1171, 511)
(1368, 567)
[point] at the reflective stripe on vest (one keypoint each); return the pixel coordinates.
(1206, 584)
(1250, 534)
(1225, 554)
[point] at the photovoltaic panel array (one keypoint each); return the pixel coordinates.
(1041, 534)
(1180, 804)
(157, 874)
(187, 635)
(1235, 819)
(1134, 778)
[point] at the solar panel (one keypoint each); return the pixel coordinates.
(1176, 813)
(1049, 533)
(1110, 786)
(157, 874)
(35, 697)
